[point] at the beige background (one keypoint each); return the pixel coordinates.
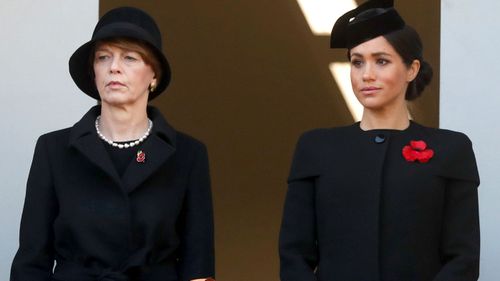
(248, 77)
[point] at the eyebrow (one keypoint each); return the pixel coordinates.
(378, 54)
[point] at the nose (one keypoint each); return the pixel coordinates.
(368, 72)
(115, 66)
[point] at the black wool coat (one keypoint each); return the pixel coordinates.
(357, 210)
(153, 223)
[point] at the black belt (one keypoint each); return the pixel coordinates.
(70, 271)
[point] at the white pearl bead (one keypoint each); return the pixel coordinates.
(126, 145)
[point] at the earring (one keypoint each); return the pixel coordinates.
(152, 87)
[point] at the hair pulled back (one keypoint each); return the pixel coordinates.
(408, 45)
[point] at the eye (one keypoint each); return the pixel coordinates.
(356, 63)
(382, 61)
(130, 58)
(101, 57)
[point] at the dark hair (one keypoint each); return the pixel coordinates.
(408, 45)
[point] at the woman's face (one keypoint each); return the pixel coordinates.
(121, 76)
(379, 77)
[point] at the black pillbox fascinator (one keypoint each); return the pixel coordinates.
(123, 22)
(369, 20)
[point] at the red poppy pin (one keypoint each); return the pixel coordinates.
(417, 151)
(141, 157)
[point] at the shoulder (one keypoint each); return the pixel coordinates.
(58, 134)
(309, 158)
(326, 136)
(448, 140)
(190, 149)
(187, 141)
(453, 152)
(59, 138)
(51, 144)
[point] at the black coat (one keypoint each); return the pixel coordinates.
(154, 223)
(357, 210)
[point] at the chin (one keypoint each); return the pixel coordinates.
(116, 101)
(371, 103)
(376, 106)
(117, 98)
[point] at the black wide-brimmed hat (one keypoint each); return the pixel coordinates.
(369, 20)
(124, 22)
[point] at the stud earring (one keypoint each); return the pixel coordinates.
(152, 87)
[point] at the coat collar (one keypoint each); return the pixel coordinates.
(86, 125)
(159, 146)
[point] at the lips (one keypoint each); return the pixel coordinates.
(115, 84)
(370, 90)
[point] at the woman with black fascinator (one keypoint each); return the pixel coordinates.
(385, 198)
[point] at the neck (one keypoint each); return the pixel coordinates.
(123, 123)
(396, 118)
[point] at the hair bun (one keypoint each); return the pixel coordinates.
(423, 79)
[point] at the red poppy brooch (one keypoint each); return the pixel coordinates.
(141, 156)
(417, 151)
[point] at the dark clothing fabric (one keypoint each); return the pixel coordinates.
(153, 223)
(121, 158)
(356, 209)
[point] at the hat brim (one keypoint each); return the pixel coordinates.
(80, 66)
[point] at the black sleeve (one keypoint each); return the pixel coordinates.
(460, 242)
(297, 241)
(197, 231)
(34, 260)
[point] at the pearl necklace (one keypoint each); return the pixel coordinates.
(125, 145)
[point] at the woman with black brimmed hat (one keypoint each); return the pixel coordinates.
(121, 195)
(385, 198)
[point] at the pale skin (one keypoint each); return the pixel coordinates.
(123, 79)
(379, 79)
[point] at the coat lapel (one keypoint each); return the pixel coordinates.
(158, 148)
(93, 149)
(156, 151)
(85, 140)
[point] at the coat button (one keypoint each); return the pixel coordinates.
(380, 139)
